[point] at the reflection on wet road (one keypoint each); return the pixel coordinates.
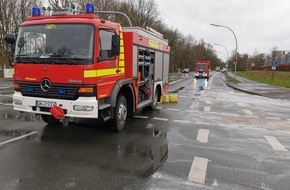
(56, 156)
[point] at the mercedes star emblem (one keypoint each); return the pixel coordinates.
(45, 85)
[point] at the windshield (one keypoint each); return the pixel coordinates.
(201, 66)
(63, 43)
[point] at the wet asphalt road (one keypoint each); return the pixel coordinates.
(158, 148)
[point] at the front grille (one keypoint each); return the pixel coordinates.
(57, 91)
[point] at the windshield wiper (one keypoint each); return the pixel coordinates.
(25, 58)
(61, 58)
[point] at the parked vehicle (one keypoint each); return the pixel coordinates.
(70, 65)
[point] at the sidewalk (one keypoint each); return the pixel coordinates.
(260, 89)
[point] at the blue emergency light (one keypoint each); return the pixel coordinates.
(36, 11)
(90, 9)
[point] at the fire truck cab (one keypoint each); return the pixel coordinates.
(81, 66)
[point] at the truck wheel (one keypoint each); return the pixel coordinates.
(120, 114)
(155, 100)
(49, 119)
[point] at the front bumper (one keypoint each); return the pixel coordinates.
(28, 104)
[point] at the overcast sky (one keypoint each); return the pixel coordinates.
(258, 24)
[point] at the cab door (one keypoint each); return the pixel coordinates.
(107, 62)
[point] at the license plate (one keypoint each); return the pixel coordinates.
(45, 104)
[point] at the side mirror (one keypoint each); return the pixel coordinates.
(115, 45)
(10, 38)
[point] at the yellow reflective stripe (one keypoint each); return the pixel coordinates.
(102, 72)
(122, 56)
(90, 73)
(121, 63)
(122, 49)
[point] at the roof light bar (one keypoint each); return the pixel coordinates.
(90, 9)
(36, 11)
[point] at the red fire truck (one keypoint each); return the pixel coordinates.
(202, 68)
(81, 66)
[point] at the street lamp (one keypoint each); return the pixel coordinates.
(217, 25)
(225, 49)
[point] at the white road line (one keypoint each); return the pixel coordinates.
(6, 104)
(197, 171)
(276, 145)
(284, 132)
(159, 108)
(191, 111)
(141, 117)
(183, 96)
(248, 112)
(18, 138)
(172, 109)
(203, 136)
(160, 119)
(191, 91)
(251, 116)
(202, 123)
(255, 128)
(273, 118)
(228, 114)
(208, 102)
(228, 126)
(181, 121)
(206, 109)
(6, 95)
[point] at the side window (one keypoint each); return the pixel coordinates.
(106, 44)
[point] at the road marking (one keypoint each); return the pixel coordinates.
(248, 112)
(203, 123)
(228, 126)
(255, 128)
(203, 136)
(6, 95)
(160, 119)
(6, 104)
(284, 132)
(2, 88)
(183, 96)
(206, 109)
(18, 138)
(228, 114)
(172, 109)
(181, 121)
(191, 111)
(252, 116)
(159, 108)
(197, 171)
(273, 118)
(208, 102)
(276, 145)
(141, 117)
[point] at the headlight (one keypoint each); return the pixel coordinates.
(83, 108)
(17, 102)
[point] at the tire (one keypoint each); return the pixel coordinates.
(155, 100)
(49, 119)
(120, 114)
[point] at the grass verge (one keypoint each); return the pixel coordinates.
(276, 78)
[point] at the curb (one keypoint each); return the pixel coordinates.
(242, 90)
